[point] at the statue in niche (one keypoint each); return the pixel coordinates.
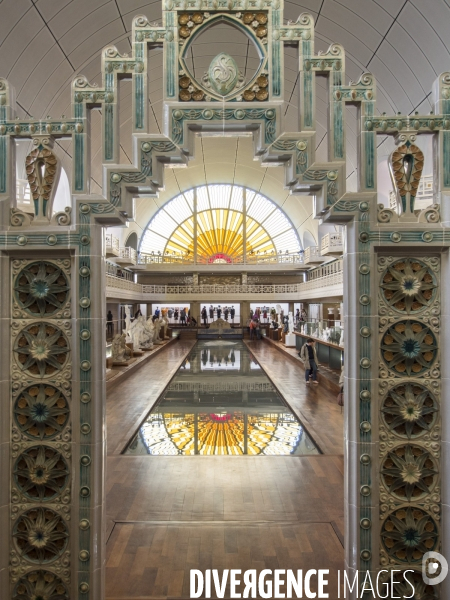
(156, 329)
(120, 351)
(146, 339)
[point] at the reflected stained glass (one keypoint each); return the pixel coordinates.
(222, 433)
(220, 226)
(223, 405)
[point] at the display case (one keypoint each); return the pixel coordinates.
(328, 341)
(324, 331)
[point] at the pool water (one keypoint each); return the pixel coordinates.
(221, 403)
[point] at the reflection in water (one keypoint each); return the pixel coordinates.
(208, 411)
(220, 358)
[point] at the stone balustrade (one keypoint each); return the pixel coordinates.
(331, 243)
(322, 287)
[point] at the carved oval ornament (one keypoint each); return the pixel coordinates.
(223, 73)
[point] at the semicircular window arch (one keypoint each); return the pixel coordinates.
(221, 229)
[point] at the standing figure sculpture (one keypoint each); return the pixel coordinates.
(156, 329)
(127, 323)
(291, 323)
(165, 323)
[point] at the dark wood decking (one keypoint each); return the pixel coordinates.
(167, 515)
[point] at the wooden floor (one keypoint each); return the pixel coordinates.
(129, 402)
(315, 406)
(167, 515)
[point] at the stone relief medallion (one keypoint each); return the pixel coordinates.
(41, 473)
(409, 410)
(409, 472)
(409, 348)
(408, 533)
(41, 350)
(40, 584)
(40, 535)
(41, 289)
(223, 73)
(408, 286)
(41, 412)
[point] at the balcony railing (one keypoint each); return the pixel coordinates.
(331, 243)
(127, 256)
(329, 268)
(111, 245)
(294, 291)
(312, 255)
(250, 259)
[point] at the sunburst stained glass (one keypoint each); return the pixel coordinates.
(220, 225)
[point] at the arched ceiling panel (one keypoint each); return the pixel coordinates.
(45, 43)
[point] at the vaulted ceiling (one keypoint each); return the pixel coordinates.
(45, 43)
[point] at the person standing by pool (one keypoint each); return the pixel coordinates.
(309, 356)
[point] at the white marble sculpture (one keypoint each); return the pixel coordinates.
(127, 323)
(135, 331)
(156, 328)
(291, 323)
(279, 313)
(120, 351)
(146, 339)
(289, 339)
(165, 325)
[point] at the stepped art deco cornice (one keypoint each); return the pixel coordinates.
(379, 243)
(262, 117)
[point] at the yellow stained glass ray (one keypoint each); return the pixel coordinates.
(219, 232)
(171, 433)
(220, 223)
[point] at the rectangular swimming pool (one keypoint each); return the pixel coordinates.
(220, 402)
